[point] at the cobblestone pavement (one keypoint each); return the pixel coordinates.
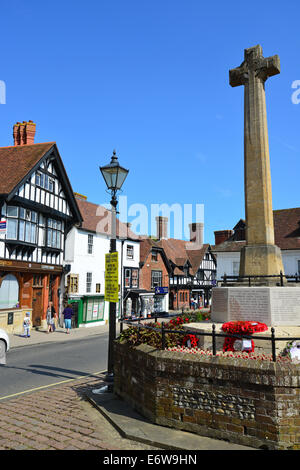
(59, 418)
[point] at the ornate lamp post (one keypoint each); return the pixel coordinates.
(114, 176)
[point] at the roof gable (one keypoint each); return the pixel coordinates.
(19, 162)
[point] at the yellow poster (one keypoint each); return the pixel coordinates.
(111, 277)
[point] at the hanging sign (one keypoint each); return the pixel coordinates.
(111, 277)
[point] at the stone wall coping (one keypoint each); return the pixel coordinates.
(281, 373)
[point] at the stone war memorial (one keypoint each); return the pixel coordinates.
(260, 258)
(235, 394)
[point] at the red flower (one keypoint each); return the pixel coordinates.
(242, 328)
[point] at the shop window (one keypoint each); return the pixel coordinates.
(93, 310)
(9, 292)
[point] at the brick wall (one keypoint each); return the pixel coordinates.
(247, 402)
(149, 265)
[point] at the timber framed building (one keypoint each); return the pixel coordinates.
(38, 209)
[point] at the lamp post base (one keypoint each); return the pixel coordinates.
(108, 388)
(105, 389)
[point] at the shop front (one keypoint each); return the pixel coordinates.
(28, 286)
(143, 303)
(89, 310)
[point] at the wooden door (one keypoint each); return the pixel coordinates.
(37, 306)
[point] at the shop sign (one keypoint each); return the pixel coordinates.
(111, 277)
(2, 226)
(161, 290)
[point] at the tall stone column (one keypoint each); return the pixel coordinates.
(260, 256)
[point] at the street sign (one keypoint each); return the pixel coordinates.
(111, 277)
(161, 290)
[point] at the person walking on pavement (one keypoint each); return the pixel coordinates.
(50, 317)
(27, 325)
(68, 313)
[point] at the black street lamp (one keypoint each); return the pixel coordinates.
(114, 176)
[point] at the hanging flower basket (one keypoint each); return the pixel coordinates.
(246, 328)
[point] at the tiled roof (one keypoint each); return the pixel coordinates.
(180, 252)
(286, 230)
(145, 246)
(97, 219)
(196, 257)
(17, 161)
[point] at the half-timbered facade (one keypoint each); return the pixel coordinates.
(37, 211)
(193, 267)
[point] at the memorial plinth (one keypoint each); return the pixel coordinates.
(270, 305)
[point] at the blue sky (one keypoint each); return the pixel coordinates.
(150, 79)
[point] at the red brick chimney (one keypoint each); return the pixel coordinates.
(24, 133)
(222, 235)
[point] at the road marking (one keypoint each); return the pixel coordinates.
(52, 385)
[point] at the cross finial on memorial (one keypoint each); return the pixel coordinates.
(254, 65)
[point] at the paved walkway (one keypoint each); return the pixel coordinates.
(41, 336)
(69, 417)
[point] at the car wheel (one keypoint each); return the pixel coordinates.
(2, 352)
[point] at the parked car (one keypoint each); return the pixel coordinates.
(4, 346)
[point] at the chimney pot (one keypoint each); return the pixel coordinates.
(24, 133)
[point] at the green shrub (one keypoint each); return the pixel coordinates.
(135, 336)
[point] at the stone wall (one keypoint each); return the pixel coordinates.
(247, 402)
(12, 320)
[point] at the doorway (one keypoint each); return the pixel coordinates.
(37, 306)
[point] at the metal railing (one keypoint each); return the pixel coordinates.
(290, 278)
(163, 331)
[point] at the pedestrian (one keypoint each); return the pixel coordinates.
(50, 318)
(68, 313)
(27, 325)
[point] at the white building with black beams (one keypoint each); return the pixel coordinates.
(86, 247)
(38, 209)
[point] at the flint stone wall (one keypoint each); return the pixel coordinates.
(246, 402)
